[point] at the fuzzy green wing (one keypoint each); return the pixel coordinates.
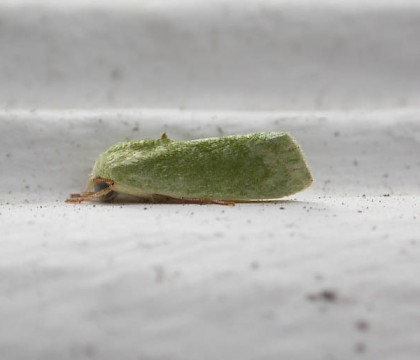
(243, 167)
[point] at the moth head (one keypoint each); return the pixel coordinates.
(108, 197)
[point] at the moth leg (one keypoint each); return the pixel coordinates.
(225, 202)
(216, 202)
(84, 193)
(90, 195)
(78, 198)
(198, 201)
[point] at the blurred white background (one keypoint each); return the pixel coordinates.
(220, 54)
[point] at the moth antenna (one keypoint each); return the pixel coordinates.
(90, 195)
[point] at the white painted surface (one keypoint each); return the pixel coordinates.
(331, 273)
(211, 282)
(139, 281)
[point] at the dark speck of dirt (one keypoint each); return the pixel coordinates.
(90, 350)
(319, 277)
(255, 265)
(324, 295)
(360, 347)
(362, 325)
(116, 74)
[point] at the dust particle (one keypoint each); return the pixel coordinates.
(362, 325)
(360, 347)
(324, 295)
(255, 265)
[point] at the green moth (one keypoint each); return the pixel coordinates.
(221, 170)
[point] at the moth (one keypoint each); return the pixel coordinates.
(221, 170)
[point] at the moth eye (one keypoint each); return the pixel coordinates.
(98, 186)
